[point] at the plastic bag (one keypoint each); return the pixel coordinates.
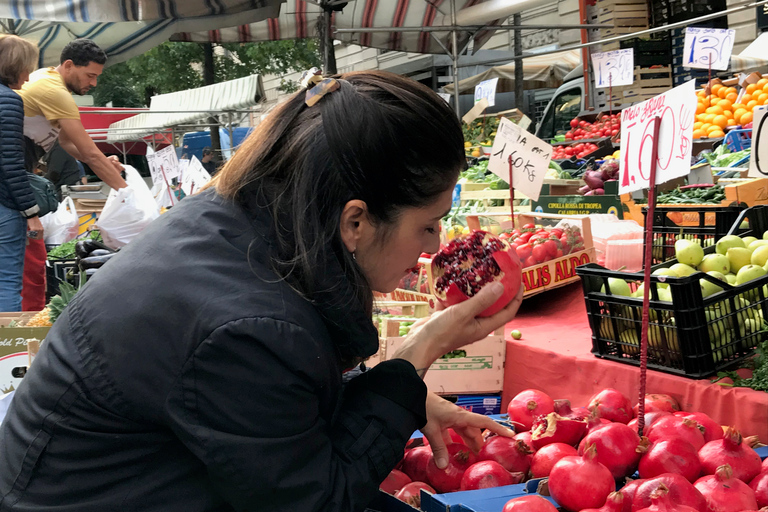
(62, 225)
(127, 211)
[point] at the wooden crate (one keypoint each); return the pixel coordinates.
(417, 308)
(481, 371)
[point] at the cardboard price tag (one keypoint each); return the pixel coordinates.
(530, 158)
(677, 110)
(708, 47)
(487, 89)
(614, 68)
(164, 165)
(758, 164)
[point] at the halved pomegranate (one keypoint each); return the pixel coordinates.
(553, 428)
(468, 263)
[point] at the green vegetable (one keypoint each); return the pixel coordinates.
(554, 165)
(759, 366)
(703, 195)
(66, 251)
(722, 156)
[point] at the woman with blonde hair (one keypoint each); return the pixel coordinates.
(18, 208)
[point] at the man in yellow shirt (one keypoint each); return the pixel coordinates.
(50, 111)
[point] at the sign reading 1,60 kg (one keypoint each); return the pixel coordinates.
(676, 109)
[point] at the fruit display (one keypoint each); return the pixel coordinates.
(678, 469)
(606, 125)
(535, 245)
(723, 108)
(580, 150)
(481, 131)
(692, 194)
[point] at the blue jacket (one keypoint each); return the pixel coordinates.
(15, 191)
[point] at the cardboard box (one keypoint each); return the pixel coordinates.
(14, 353)
(487, 405)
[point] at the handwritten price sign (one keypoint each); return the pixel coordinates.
(164, 165)
(708, 47)
(614, 68)
(487, 89)
(677, 109)
(530, 158)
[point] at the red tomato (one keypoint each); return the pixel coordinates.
(540, 252)
(530, 262)
(529, 226)
(551, 247)
(559, 253)
(536, 237)
(557, 232)
(504, 236)
(574, 122)
(524, 251)
(525, 237)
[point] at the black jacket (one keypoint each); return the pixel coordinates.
(15, 191)
(186, 377)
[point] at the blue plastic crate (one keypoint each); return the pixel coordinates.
(739, 140)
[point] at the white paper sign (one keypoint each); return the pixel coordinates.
(487, 89)
(528, 154)
(194, 177)
(677, 110)
(614, 68)
(705, 47)
(164, 165)
(445, 96)
(758, 163)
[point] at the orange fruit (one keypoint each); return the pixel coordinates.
(697, 125)
(731, 122)
(732, 96)
(760, 83)
(717, 110)
(746, 98)
(725, 104)
(750, 88)
(737, 106)
(700, 93)
(700, 108)
(708, 118)
(720, 121)
(716, 134)
(738, 113)
(728, 114)
(765, 102)
(752, 104)
(705, 127)
(761, 98)
(697, 134)
(715, 89)
(721, 92)
(765, 87)
(746, 118)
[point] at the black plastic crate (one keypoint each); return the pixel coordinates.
(57, 271)
(663, 12)
(649, 52)
(706, 225)
(691, 335)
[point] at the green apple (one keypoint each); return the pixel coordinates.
(757, 243)
(639, 291)
(765, 235)
(748, 240)
(759, 255)
(731, 278)
(715, 262)
(617, 287)
(748, 273)
(708, 288)
(682, 270)
(727, 242)
(739, 257)
(664, 295)
(664, 272)
(688, 252)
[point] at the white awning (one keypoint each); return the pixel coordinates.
(189, 106)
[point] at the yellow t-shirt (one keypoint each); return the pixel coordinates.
(46, 100)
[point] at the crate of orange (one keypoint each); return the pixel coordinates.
(721, 106)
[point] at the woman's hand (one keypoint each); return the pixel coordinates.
(456, 326)
(442, 415)
(35, 226)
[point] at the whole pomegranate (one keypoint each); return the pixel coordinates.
(744, 461)
(544, 460)
(614, 503)
(759, 486)
(531, 503)
(659, 403)
(725, 492)
(415, 463)
(486, 474)
(617, 448)
(675, 426)
(394, 482)
(553, 428)
(612, 405)
(448, 479)
(710, 428)
(680, 491)
(671, 456)
(512, 454)
(528, 405)
(629, 491)
(468, 263)
(650, 419)
(662, 502)
(577, 483)
(411, 493)
(525, 437)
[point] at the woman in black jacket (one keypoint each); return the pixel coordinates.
(18, 208)
(201, 369)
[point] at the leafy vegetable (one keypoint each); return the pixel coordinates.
(722, 156)
(66, 251)
(703, 195)
(759, 365)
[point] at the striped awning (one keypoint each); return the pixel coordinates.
(298, 19)
(123, 28)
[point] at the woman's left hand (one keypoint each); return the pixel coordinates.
(442, 415)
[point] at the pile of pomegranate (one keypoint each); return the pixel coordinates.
(686, 461)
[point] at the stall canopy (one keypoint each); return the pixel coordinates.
(753, 57)
(185, 107)
(546, 71)
(123, 28)
(298, 19)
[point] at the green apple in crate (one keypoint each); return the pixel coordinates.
(715, 262)
(739, 257)
(728, 242)
(688, 252)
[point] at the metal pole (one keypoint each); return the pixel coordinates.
(469, 28)
(329, 55)
(231, 135)
(455, 58)
(519, 75)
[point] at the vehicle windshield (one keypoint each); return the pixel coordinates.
(564, 107)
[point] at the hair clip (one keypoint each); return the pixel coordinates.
(316, 86)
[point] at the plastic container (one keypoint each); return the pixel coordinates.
(624, 254)
(605, 237)
(738, 140)
(692, 336)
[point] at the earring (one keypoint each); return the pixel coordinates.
(353, 256)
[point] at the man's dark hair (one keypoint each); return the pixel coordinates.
(82, 52)
(207, 151)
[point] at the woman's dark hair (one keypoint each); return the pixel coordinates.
(381, 138)
(82, 52)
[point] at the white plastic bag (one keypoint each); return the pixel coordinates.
(127, 211)
(62, 225)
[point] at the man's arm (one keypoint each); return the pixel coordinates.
(75, 141)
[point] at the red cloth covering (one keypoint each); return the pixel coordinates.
(33, 289)
(554, 356)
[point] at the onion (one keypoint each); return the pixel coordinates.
(593, 179)
(744, 461)
(726, 493)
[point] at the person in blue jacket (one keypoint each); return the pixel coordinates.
(18, 208)
(203, 368)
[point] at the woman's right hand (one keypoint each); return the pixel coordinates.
(457, 326)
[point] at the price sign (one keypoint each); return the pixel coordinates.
(677, 110)
(487, 89)
(758, 163)
(164, 165)
(614, 68)
(530, 158)
(194, 177)
(708, 47)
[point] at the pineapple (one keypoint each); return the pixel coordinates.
(55, 308)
